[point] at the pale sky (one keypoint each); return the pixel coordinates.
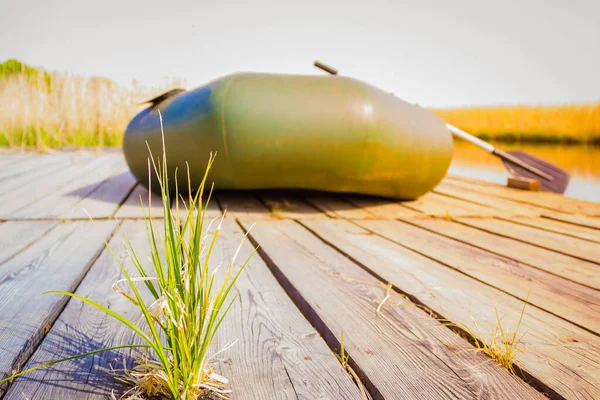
(435, 53)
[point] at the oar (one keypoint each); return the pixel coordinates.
(518, 163)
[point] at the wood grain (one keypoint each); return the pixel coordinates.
(565, 358)
(61, 200)
(567, 299)
(243, 205)
(563, 228)
(18, 235)
(574, 269)
(36, 191)
(443, 206)
(382, 208)
(105, 199)
(268, 361)
(569, 245)
(397, 350)
(551, 201)
(59, 260)
(335, 206)
(289, 206)
(132, 207)
(278, 354)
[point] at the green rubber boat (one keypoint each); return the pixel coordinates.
(280, 131)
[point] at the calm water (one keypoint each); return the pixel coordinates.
(582, 162)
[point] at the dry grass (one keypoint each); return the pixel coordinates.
(344, 359)
(502, 346)
(71, 111)
(568, 123)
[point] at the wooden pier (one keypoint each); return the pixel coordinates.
(469, 253)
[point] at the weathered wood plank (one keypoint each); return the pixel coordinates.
(401, 350)
(278, 353)
(290, 206)
(31, 164)
(559, 243)
(39, 176)
(268, 361)
(132, 207)
(335, 206)
(59, 260)
(13, 202)
(82, 328)
(105, 199)
(564, 228)
(571, 301)
(581, 220)
(243, 205)
(582, 272)
(443, 206)
(6, 159)
(59, 202)
(382, 208)
(509, 207)
(16, 236)
(565, 358)
(551, 201)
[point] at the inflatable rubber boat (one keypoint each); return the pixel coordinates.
(272, 131)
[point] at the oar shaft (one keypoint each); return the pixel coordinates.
(471, 139)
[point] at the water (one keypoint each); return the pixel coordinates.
(582, 162)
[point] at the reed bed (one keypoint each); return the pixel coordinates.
(545, 124)
(57, 110)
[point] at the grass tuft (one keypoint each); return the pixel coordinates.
(344, 359)
(503, 346)
(187, 303)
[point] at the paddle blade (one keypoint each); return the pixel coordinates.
(560, 177)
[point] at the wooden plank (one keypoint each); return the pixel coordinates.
(382, 208)
(132, 207)
(103, 201)
(82, 328)
(59, 202)
(270, 359)
(567, 299)
(581, 220)
(564, 228)
(513, 208)
(36, 191)
(6, 159)
(59, 260)
(278, 353)
(576, 270)
(565, 358)
(336, 206)
(39, 176)
(446, 188)
(399, 351)
(31, 164)
(434, 204)
(243, 205)
(286, 205)
(551, 201)
(16, 236)
(569, 245)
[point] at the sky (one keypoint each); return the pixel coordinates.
(445, 53)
